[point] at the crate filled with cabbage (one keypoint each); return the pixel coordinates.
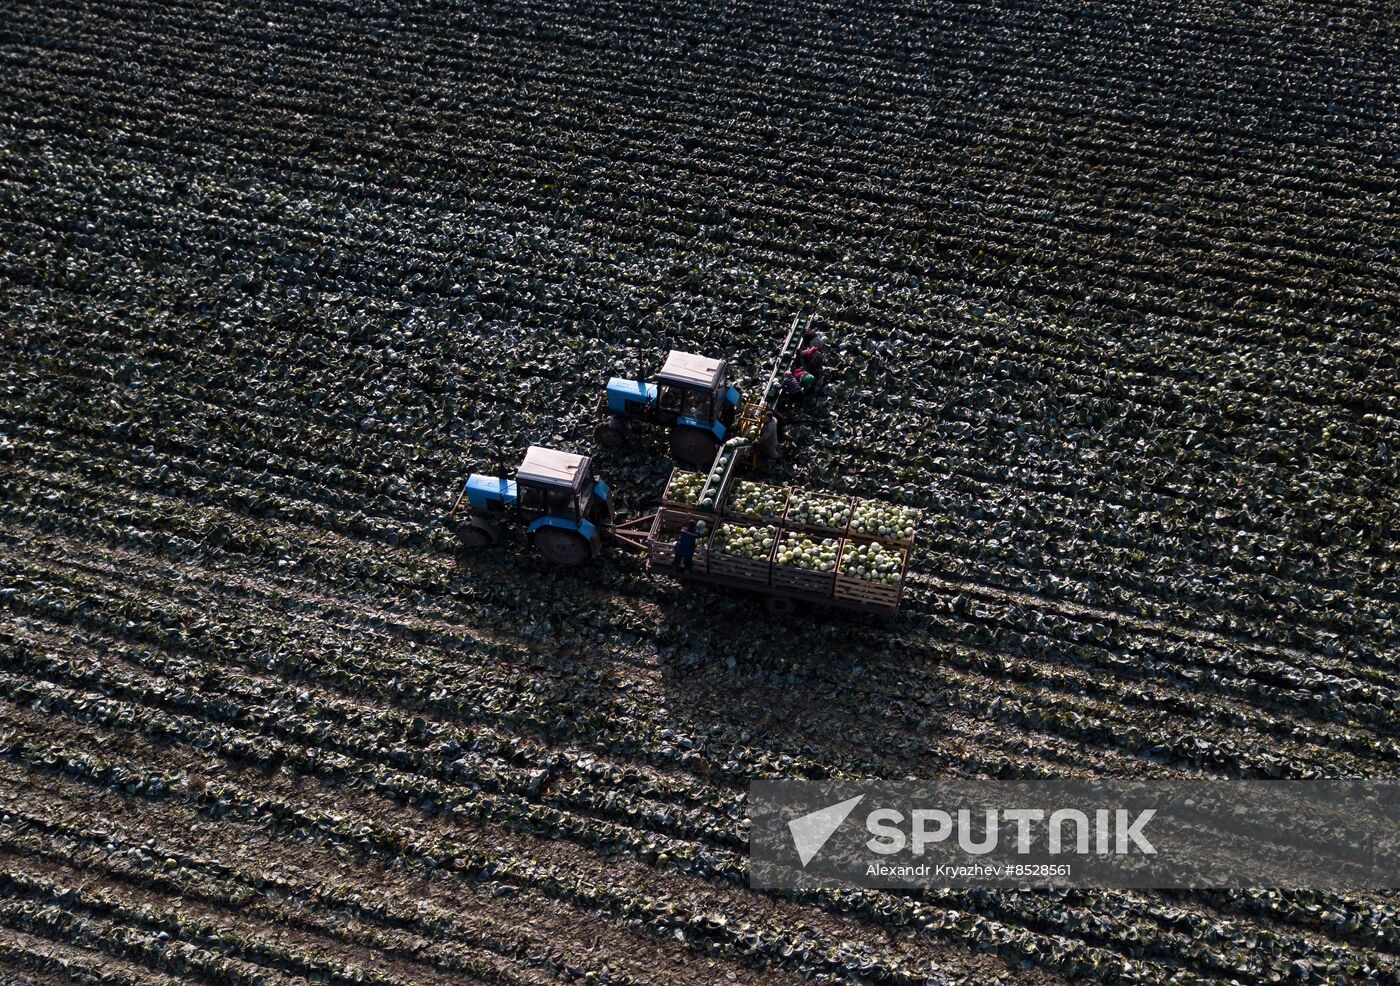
(820, 513)
(885, 521)
(742, 551)
(756, 501)
(683, 488)
(871, 571)
(806, 562)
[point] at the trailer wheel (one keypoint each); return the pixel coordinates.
(694, 447)
(780, 605)
(562, 547)
(612, 433)
(476, 533)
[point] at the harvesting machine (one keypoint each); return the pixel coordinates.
(691, 397)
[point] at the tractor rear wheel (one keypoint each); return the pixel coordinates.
(612, 433)
(694, 447)
(475, 533)
(562, 547)
(602, 512)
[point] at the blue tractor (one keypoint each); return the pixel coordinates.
(554, 496)
(690, 397)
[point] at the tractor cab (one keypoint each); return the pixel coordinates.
(556, 497)
(692, 388)
(690, 397)
(557, 484)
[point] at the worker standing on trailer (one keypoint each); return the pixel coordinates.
(768, 438)
(685, 547)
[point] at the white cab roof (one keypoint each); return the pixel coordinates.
(546, 467)
(689, 370)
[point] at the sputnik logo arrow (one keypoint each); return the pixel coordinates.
(810, 832)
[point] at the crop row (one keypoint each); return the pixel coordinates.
(165, 870)
(88, 593)
(706, 931)
(294, 38)
(1056, 917)
(1062, 678)
(492, 781)
(1037, 707)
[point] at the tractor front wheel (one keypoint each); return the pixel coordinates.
(612, 433)
(694, 447)
(562, 547)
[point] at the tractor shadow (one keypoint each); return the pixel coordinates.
(809, 692)
(828, 691)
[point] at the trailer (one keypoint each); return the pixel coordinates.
(653, 536)
(787, 545)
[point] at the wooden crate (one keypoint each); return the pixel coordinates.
(802, 579)
(777, 518)
(794, 525)
(668, 500)
(873, 593)
(736, 567)
(664, 529)
(869, 595)
(905, 543)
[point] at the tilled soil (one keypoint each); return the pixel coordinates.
(1110, 295)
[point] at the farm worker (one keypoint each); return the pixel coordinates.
(791, 388)
(685, 547)
(805, 381)
(768, 438)
(809, 353)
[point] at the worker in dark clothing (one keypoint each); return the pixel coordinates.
(685, 547)
(768, 438)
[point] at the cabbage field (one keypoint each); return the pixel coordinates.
(1110, 294)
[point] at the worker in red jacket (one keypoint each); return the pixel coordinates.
(798, 383)
(809, 351)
